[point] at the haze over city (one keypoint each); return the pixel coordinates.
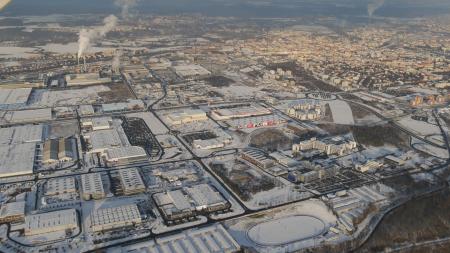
(224, 126)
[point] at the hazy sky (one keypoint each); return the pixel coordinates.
(234, 7)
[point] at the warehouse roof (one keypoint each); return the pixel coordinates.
(125, 152)
(17, 159)
(21, 134)
(14, 96)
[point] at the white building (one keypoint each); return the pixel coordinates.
(115, 217)
(330, 148)
(123, 155)
(206, 198)
(95, 124)
(104, 139)
(51, 222)
(14, 98)
(60, 185)
(228, 112)
(17, 160)
(131, 181)
(369, 165)
(186, 116)
(92, 186)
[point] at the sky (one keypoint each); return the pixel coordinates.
(250, 8)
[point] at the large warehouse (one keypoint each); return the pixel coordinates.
(115, 217)
(21, 134)
(14, 98)
(123, 155)
(51, 222)
(18, 148)
(18, 159)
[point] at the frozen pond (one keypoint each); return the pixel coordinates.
(286, 230)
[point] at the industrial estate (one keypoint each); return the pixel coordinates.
(202, 134)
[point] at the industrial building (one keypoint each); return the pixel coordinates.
(191, 71)
(124, 155)
(21, 134)
(36, 115)
(92, 186)
(131, 181)
(283, 159)
(257, 158)
(206, 198)
(61, 185)
(86, 79)
(186, 116)
(257, 122)
(174, 205)
(95, 124)
(115, 217)
(228, 112)
(208, 144)
(177, 174)
(368, 166)
(104, 139)
(42, 223)
(59, 150)
(12, 212)
(184, 203)
(14, 98)
(130, 105)
(214, 238)
(86, 110)
(19, 159)
(18, 147)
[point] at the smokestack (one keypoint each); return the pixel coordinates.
(125, 6)
(89, 36)
(373, 6)
(84, 64)
(115, 65)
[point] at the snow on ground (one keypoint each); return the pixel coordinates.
(275, 196)
(70, 48)
(17, 52)
(431, 150)
(427, 177)
(285, 229)
(342, 113)
(239, 91)
(419, 127)
(49, 98)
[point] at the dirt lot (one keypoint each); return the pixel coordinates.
(119, 93)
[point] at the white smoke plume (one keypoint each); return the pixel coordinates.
(116, 60)
(125, 5)
(89, 36)
(373, 6)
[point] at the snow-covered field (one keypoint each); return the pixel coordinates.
(49, 98)
(342, 113)
(431, 150)
(419, 127)
(17, 52)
